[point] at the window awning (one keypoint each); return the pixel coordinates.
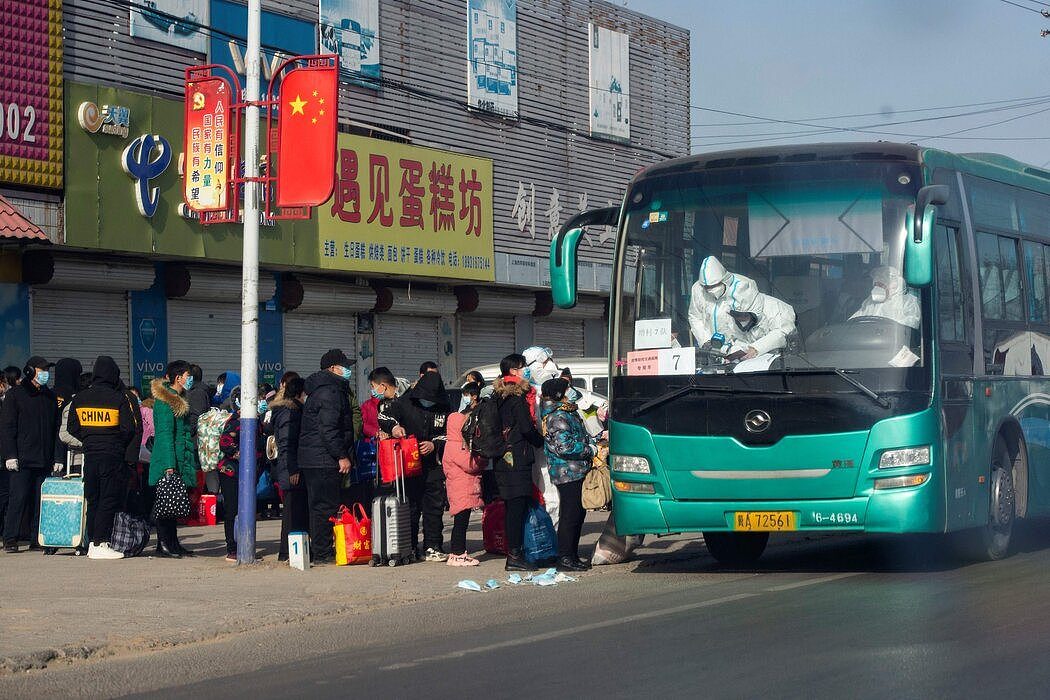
(15, 227)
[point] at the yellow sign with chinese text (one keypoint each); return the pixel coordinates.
(408, 210)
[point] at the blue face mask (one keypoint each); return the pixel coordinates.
(573, 395)
(464, 403)
(347, 373)
(376, 394)
(527, 374)
(263, 406)
(426, 404)
(43, 377)
(189, 382)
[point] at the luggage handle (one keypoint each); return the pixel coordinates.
(69, 467)
(400, 490)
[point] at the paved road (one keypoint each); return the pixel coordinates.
(842, 618)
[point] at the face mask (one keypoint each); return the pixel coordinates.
(526, 374)
(347, 373)
(878, 294)
(464, 403)
(718, 291)
(43, 377)
(745, 322)
(263, 406)
(573, 395)
(189, 382)
(237, 403)
(376, 394)
(218, 389)
(426, 404)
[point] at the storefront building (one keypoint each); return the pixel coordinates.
(466, 140)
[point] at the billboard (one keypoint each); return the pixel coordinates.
(31, 93)
(350, 29)
(492, 56)
(180, 23)
(408, 210)
(289, 36)
(610, 84)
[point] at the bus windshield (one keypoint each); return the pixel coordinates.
(779, 268)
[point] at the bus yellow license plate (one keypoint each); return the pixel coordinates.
(765, 521)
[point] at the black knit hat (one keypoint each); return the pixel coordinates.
(554, 389)
(336, 357)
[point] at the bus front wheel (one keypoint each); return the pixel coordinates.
(992, 541)
(736, 548)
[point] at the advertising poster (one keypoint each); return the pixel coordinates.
(610, 74)
(492, 56)
(175, 22)
(350, 29)
(207, 137)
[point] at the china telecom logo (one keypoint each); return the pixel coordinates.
(143, 160)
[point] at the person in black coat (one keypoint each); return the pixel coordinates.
(103, 418)
(326, 441)
(421, 412)
(286, 422)
(28, 426)
(514, 470)
(67, 383)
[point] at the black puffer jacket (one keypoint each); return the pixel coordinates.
(327, 432)
(515, 480)
(67, 380)
(425, 423)
(286, 421)
(102, 416)
(28, 425)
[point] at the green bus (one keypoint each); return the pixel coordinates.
(835, 337)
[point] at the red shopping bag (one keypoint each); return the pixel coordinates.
(493, 527)
(352, 531)
(394, 450)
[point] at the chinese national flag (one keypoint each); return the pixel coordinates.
(309, 111)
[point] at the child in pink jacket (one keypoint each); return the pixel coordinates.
(462, 478)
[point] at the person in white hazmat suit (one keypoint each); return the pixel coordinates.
(890, 299)
(540, 366)
(727, 312)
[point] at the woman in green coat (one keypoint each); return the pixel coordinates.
(173, 448)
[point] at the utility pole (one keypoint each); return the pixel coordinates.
(245, 528)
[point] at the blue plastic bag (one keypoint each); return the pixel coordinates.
(541, 541)
(264, 487)
(366, 464)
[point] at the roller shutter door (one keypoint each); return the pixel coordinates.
(484, 340)
(81, 325)
(205, 333)
(563, 336)
(403, 343)
(308, 336)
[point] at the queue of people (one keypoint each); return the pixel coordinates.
(132, 448)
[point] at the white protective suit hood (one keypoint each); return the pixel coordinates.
(708, 315)
(775, 319)
(899, 305)
(540, 363)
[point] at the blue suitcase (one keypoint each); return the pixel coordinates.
(63, 511)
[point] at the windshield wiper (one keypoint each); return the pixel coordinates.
(690, 388)
(852, 381)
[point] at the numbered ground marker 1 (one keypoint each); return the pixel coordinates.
(299, 550)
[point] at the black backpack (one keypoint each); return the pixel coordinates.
(483, 430)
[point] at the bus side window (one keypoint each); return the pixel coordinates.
(1035, 276)
(601, 386)
(1000, 278)
(950, 300)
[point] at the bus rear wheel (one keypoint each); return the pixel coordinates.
(736, 548)
(992, 541)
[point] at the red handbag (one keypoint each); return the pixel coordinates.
(494, 527)
(352, 533)
(399, 453)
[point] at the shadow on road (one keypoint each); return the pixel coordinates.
(842, 554)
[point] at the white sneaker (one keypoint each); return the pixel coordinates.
(434, 555)
(103, 551)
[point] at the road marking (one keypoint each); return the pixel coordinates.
(810, 582)
(546, 636)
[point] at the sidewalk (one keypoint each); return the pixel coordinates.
(62, 608)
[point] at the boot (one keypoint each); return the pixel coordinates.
(582, 562)
(177, 546)
(164, 547)
(569, 565)
(516, 561)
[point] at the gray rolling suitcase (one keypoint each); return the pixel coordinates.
(391, 527)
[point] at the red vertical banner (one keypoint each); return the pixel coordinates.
(209, 129)
(308, 116)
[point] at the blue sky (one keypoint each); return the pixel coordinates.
(797, 60)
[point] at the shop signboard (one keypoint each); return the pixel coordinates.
(408, 210)
(350, 29)
(181, 23)
(31, 121)
(280, 34)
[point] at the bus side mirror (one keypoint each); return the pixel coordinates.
(918, 247)
(563, 252)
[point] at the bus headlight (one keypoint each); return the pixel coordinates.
(906, 457)
(632, 465)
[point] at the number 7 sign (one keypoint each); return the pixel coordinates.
(676, 361)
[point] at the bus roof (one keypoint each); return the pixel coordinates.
(988, 165)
